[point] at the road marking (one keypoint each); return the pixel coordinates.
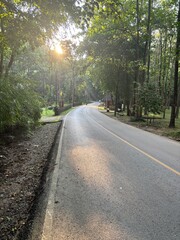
(138, 149)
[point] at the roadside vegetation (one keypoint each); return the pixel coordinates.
(36, 68)
(123, 52)
(134, 50)
(47, 112)
(49, 115)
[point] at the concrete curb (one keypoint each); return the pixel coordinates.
(48, 220)
(52, 119)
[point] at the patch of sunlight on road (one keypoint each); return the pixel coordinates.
(106, 228)
(97, 226)
(92, 164)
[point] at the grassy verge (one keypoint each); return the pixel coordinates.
(159, 126)
(47, 113)
(50, 113)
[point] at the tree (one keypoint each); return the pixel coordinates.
(140, 35)
(32, 22)
(176, 68)
(24, 25)
(150, 100)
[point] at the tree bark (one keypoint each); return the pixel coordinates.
(160, 65)
(1, 51)
(175, 94)
(178, 106)
(11, 60)
(117, 91)
(148, 43)
(149, 38)
(136, 80)
(1, 62)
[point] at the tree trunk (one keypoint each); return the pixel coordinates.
(1, 62)
(127, 93)
(116, 102)
(9, 65)
(178, 104)
(175, 94)
(160, 65)
(177, 111)
(117, 92)
(147, 48)
(1, 50)
(136, 80)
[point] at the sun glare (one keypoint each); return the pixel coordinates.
(58, 49)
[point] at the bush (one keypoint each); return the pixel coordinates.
(19, 103)
(150, 99)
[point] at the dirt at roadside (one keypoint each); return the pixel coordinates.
(22, 164)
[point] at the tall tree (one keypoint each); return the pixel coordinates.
(176, 68)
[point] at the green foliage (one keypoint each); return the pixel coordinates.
(47, 112)
(150, 99)
(19, 103)
(32, 22)
(25, 26)
(137, 39)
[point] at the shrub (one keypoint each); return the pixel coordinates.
(150, 99)
(19, 103)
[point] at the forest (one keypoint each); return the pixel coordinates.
(55, 53)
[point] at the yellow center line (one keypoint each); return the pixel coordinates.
(138, 149)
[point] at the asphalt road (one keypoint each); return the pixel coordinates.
(113, 182)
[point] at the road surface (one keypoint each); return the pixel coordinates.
(113, 182)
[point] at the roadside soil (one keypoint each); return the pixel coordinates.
(24, 161)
